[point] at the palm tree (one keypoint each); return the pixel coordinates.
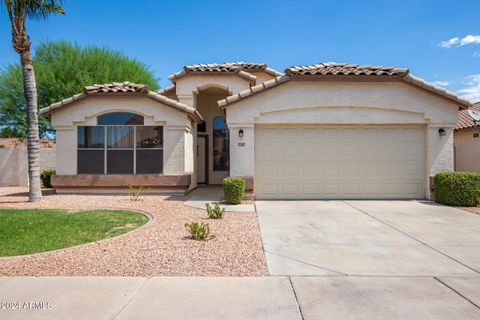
(18, 12)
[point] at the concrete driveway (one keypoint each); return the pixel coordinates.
(369, 238)
(375, 259)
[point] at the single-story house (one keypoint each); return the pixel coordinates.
(467, 142)
(324, 131)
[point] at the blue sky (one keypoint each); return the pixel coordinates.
(437, 40)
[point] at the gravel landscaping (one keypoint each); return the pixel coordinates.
(475, 210)
(160, 247)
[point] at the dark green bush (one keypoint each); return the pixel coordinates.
(234, 190)
(46, 175)
(457, 188)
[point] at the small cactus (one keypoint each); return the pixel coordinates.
(199, 231)
(216, 212)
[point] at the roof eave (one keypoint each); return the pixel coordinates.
(463, 103)
(253, 90)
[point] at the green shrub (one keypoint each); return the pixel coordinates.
(199, 231)
(216, 212)
(457, 188)
(46, 176)
(234, 190)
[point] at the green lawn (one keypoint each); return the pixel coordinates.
(39, 230)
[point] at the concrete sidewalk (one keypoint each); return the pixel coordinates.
(266, 298)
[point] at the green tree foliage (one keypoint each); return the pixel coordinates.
(62, 69)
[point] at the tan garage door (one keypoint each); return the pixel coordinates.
(348, 162)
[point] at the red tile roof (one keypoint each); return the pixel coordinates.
(332, 68)
(464, 120)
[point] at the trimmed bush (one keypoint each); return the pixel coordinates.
(234, 190)
(46, 175)
(457, 188)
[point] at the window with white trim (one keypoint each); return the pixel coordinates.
(120, 144)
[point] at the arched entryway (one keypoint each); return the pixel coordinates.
(213, 140)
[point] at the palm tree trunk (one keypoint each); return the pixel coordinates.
(33, 139)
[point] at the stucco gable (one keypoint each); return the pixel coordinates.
(314, 101)
(342, 72)
(124, 89)
(241, 69)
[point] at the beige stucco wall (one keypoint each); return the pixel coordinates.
(187, 87)
(177, 129)
(14, 165)
(467, 150)
(311, 102)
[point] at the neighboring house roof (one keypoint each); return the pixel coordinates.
(16, 143)
(345, 72)
(464, 120)
(123, 88)
(240, 68)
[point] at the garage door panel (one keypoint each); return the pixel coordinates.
(339, 162)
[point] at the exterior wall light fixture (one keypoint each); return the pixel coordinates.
(240, 133)
(442, 132)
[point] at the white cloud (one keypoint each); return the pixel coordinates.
(472, 90)
(456, 41)
(469, 40)
(449, 43)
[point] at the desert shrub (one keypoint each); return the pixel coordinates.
(2, 146)
(234, 190)
(457, 188)
(216, 212)
(136, 192)
(199, 231)
(46, 176)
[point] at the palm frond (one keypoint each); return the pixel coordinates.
(35, 9)
(41, 9)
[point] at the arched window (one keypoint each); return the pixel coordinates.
(221, 145)
(120, 118)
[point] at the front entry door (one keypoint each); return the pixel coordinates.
(201, 159)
